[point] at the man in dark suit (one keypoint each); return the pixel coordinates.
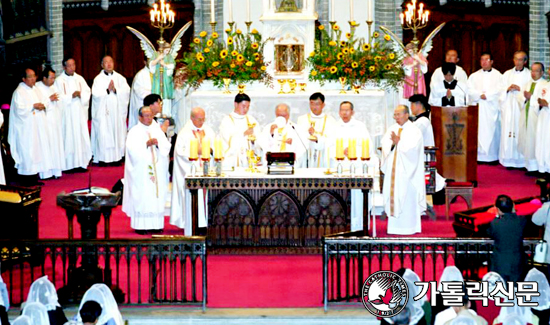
(506, 229)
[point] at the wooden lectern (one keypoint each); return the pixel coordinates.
(455, 133)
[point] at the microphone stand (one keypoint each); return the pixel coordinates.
(303, 144)
(465, 103)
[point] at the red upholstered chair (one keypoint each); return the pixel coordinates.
(456, 189)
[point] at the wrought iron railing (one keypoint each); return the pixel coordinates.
(141, 272)
(349, 259)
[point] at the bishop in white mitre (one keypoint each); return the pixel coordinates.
(348, 127)
(404, 189)
(542, 141)
(511, 101)
(320, 127)
(141, 87)
(240, 132)
(28, 131)
(181, 214)
(528, 116)
(54, 114)
(146, 175)
(283, 135)
(110, 96)
(484, 89)
(449, 91)
(74, 98)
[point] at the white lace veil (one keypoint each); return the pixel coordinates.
(22, 320)
(43, 291)
(450, 273)
(101, 294)
(513, 319)
(4, 298)
(37, 313)
(543, 288)
(415, 306)
(463, 320)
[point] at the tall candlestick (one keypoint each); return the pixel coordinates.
(194, 149)
(332, 10)
(351, 10)
(212, 12)
(248, 10)
(369, 11)
(230, 10)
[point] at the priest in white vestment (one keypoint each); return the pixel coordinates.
(542, 142)
(240, 132)
(74, 94)
(404, 188)
(450, 91)
(54, 114)
(28, 131)
(146, 176)
(484, 89)
(283, 135)
(451, 56)
(110, 97)
(511, 101)
(181, 214)
(528, 115)
(320, 127)
(141, 87)
(2, 175)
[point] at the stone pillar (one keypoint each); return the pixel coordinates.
(386, 13)
(539, 46)
(55, 26)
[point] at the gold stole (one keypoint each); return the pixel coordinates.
(321, 133)
(392, 188)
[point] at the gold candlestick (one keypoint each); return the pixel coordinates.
(231, 24)
(213, 25)
(248, 23)
(332, 23)
(369, 26)
(352, 26)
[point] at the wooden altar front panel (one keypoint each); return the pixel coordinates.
(455, 133)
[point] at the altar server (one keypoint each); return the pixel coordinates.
(528, 116)
(195, 128)
(28, 131)
(511, 97)
(320, 127)
(450, 91)
(542, 142)
(484, 89)
(141, 87)
(404, 189)
(239, 132)
(284, 135)
(146, 174)
(53, 116)
(74, 95)
(110, 96)
(451, 56)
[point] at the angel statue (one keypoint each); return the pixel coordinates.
(415, 63)
(162, 63)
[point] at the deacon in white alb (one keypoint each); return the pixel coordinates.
(180, 215)
(74, 95)
(511, 101)
(110, 96)
(239, 132)
(438, 76)
(320, 127)
(54, 115)
(404, 189)
(146, 174)
(542, 142)
(141, 87)
(484, 88)
(450, 91)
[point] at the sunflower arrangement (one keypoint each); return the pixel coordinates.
(239, 58)
(360, 62)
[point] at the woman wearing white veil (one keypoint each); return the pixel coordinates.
(43, 291)
(441, 313)
(542, 311)
(413, 308)
(4, 302)
(37, 313)
(22, 320)
(101, 294)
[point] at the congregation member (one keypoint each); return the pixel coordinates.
(28, 131)
(450, 91)
(195, 128)
(542, 218)
(404, 189)
(53, 110)
(513, 81)
(74, 98)
(109, 312)
(2, 175)
(464, 315)
(283, 135)
(4, 301)
(451, 56)
(90, 312)
(146, 175)
(319, 126)
(37, 313)
(141, 87)
(542, 141)
(154, 102)
(239, 132)
(43, 291)
(110, 96)
(484, 89)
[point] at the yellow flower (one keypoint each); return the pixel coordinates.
(336, 27)
(354, 23)
(354, 65)
(215, 64)
(232, 66)
(249, 64)
(263, 68)
(215, 35)
(196, 41)
(203, 34)
(240, 58)
(256, 56)
(332, 43)
(206, 50)
(254, 31)
(199, 55)
(234, 53)
(372, 68)
(388, 66)
(391, 56)
(255, 45)
(339, 56)
(343, 43)
(223, 54)
(345, 50)
(377, 58)
(321, 27)
(228, 30)
(366, 47)
(352, 50)
(313, 73)
(312, 54)
(387, 37)
(201, 59)
(230, 40)
(375, 34)
(333, 69)
(239, 31)
(348, 35)
(209, 42)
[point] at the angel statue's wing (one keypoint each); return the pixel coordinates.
(427, 45)
(175, 45)
(146, 45)
(398, 47)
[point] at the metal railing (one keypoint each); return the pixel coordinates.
(142, 272)
(350, 258)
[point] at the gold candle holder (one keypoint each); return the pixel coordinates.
(213, 25)
(231, 24)
(369, 26)
(248, 23)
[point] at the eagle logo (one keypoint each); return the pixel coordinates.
(385, 294)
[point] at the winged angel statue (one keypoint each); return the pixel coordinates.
(414, 62)
(162, 63)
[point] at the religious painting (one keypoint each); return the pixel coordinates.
(289, 58)
(289, 5)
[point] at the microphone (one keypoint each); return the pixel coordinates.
(303, 144)
(465, 103)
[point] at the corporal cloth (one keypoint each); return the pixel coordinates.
(488, 83)
(140, 200)
(54, 114)
(236, 145)
(181, 214)
(324, 128)
(528, 117)
(141, 87)
(74, 121)
(542, 141)
(109, 111)
(405, 164)
(277, 141)
(459, 91)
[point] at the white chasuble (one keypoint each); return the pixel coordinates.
(528, 116)
(141, 87)
(459, 93)
(236, 144)
(404, 188)
(542, 142)
(278, 141)
(109, 111)
(324, 126)
(146, 177)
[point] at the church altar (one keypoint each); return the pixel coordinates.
(256, 209)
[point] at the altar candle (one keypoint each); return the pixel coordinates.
(194, 149)
(339, 148)
(352, 149)
(351, 10)
(365, 150)
(218, 149)
(247, 10)
(332, 10)
(369, 11)
(212, 12)
(205, 149)
(230, 12)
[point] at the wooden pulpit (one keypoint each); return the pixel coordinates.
(455, 133)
